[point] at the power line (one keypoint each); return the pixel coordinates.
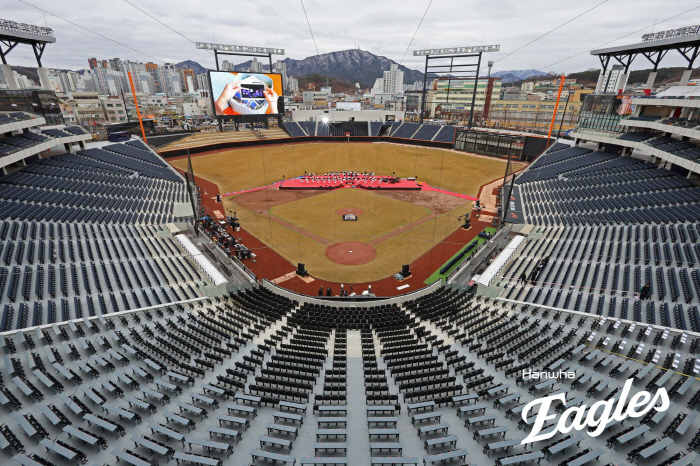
(161, 22)
(307, 22)
(414, 34)
(552, 30)
(621, 37)
(90, 30)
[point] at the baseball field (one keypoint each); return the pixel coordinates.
(392, 227)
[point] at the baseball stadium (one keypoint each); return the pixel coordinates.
(379, 278)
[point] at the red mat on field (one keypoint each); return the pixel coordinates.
(352, 181)
(349, 181)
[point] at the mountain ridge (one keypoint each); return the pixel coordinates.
(356, 66)
(517, 75)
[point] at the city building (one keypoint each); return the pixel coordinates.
(281, 68)
(536, 115)
(152, 70)
(87, 107)
(513, 93)
(315, 99)
(114, 109)
(169, 77)
(68, 113)
(256, 66)
(143, 81)
(188, 82)
(452, 98)
(202, 82)
(390, 83)
(24, 82)
(528, 87)
(292, 85)
(416, 86)
(612, 81)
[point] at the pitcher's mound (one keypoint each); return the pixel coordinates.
(350, 253)
(345, 211)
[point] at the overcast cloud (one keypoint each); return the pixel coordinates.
(383, 27)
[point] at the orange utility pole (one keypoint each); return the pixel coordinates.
(138, 112)
(554, 114)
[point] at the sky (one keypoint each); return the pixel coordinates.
(384, 27)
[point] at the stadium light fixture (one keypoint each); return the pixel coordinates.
(457, 50)
(671, 33)
(26, 28)
(239, 48)
(325, 120)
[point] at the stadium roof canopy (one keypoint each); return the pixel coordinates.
(654, 50)
(13, 33)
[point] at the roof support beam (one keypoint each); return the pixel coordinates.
(655, 57)
(625, 60)
(691, 59)
(38, 51)
(10, 45)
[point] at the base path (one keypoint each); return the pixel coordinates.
(351, 253)
(296, 228)
(403, 229)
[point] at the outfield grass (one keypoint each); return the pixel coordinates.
(241, 169)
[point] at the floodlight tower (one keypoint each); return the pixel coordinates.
(466, 68)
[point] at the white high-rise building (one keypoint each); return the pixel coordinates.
(23, 82)
(143, 82)
(610, 81)
(169, 78)
(393, 80)
(90, 83)
(292, 84)
(281, 68)
(256, 66)
(378, 87)
(202, 82)
(390, 83)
